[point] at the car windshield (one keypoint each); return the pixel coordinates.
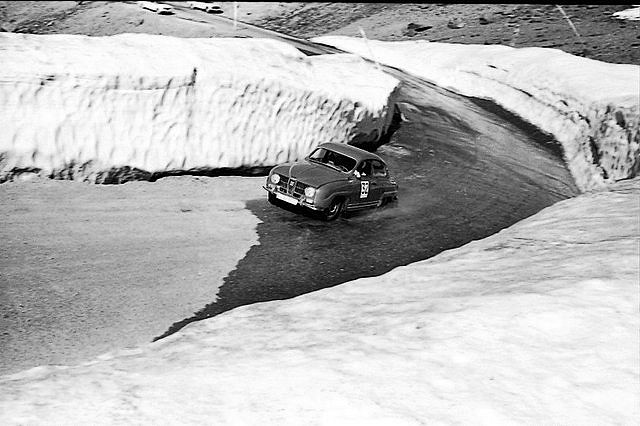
(333, 159)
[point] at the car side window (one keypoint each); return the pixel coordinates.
(365, 168)
(319, 154)
(379, 170)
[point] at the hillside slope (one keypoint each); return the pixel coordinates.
(601, 35)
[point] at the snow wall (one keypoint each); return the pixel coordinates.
(592, 108)
(109, 109)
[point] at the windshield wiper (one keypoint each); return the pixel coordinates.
(333, 166)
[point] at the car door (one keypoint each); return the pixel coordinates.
(379, 179)
(363, 195)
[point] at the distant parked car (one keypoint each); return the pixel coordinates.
(333, 179)
(156, 7)
(207, 7)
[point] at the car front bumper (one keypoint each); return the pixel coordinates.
(288, 198)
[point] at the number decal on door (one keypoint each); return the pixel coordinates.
(364, 189)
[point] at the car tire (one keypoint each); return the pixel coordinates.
(272, 199)
(335, 209)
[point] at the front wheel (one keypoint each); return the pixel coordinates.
(334, 210)
(272, 198)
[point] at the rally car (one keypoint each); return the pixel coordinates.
(335, 178)
(156, 7)
(207, 7)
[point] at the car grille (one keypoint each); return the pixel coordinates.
(291, 187)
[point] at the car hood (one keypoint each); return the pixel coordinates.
(310, 173)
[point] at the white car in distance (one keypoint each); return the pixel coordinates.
(207, 7)
(156, 7)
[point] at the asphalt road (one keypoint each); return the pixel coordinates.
(465, 168)
(225, 25)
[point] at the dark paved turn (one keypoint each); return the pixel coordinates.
(464, 173)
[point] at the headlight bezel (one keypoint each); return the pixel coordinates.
(310, 192)
(274, 178)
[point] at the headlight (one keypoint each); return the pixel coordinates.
(275, 178)
(309, 192)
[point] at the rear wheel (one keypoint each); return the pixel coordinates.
(334, 210)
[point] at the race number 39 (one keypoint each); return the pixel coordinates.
(364, 189)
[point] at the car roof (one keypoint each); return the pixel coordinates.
(351, 151)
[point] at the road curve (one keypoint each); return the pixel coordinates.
(465, 168)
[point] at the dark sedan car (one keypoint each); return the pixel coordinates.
(333, 179)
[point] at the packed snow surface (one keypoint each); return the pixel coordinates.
(94, 108)
(537, 324)
(592, 108)
(85, 269)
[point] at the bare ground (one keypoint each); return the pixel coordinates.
(599, 35)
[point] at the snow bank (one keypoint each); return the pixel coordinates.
(534, 325)
(632, 14)
(95, 108)
(592, 108)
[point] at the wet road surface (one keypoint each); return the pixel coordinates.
(464, 174)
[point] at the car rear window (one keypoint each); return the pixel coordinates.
(379, 170)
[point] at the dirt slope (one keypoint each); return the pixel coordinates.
(601, 36)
